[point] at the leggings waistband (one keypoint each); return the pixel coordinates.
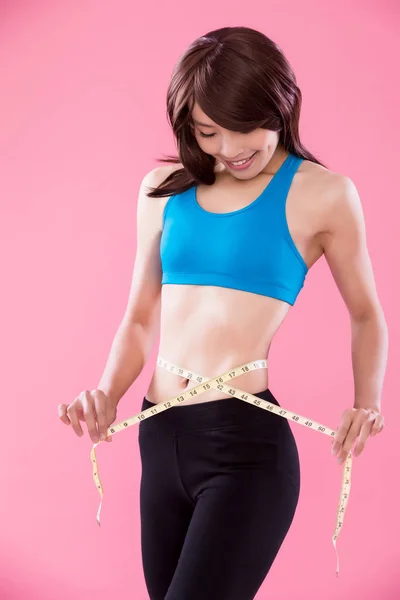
(211, 415)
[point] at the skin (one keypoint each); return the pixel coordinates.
(211, 329)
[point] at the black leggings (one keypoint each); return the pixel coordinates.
(219, 489)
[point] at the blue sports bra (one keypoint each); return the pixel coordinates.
(249, 249)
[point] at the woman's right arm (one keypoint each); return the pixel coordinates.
(139, 326)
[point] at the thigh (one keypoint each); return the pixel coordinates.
(238, 526)
(165, 513)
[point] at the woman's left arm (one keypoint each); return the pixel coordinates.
(345, 247)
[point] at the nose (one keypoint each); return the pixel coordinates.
(230, 151)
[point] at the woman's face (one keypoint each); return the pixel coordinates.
(226, 145)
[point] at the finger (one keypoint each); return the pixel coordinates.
(364, 435)
(100, 407)
(89, 411)
(360, 417)
(341, 433)
(62, 413)
(378, 425)
(76, 426)
(349, 440)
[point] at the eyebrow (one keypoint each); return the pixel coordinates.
(196, 122)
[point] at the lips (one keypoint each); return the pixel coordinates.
(240, 159)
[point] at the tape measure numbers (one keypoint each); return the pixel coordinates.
(206, 384)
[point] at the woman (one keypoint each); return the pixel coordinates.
(223, 250)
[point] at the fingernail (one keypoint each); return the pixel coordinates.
(102, 437)
(340, 460)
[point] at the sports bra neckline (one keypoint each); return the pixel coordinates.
(253, 203)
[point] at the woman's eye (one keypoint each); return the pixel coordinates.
(205, 135)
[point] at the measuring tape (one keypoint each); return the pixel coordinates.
(218, 383)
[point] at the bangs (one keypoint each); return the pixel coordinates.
(231, 101)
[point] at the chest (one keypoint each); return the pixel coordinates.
(252, 213)
(235, 199)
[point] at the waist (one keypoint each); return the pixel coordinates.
(208, 361)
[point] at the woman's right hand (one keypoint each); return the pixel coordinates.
(95, 408)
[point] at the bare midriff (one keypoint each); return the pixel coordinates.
(208, 330)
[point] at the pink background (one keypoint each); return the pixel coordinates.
(82, 119)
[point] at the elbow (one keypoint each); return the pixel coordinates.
(367, 313)
(373, 317)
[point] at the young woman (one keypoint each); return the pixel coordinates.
(223, 250)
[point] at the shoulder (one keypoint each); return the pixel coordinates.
(151, 210)
(318, 178)
(158, 174)
(324, 176)
(329, 194)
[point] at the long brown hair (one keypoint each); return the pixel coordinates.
(242, 81)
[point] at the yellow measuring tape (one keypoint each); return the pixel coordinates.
(217, 383)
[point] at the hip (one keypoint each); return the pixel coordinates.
(226, 436)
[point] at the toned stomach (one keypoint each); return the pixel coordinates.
(209, 330)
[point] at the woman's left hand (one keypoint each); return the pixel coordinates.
(356, 422)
